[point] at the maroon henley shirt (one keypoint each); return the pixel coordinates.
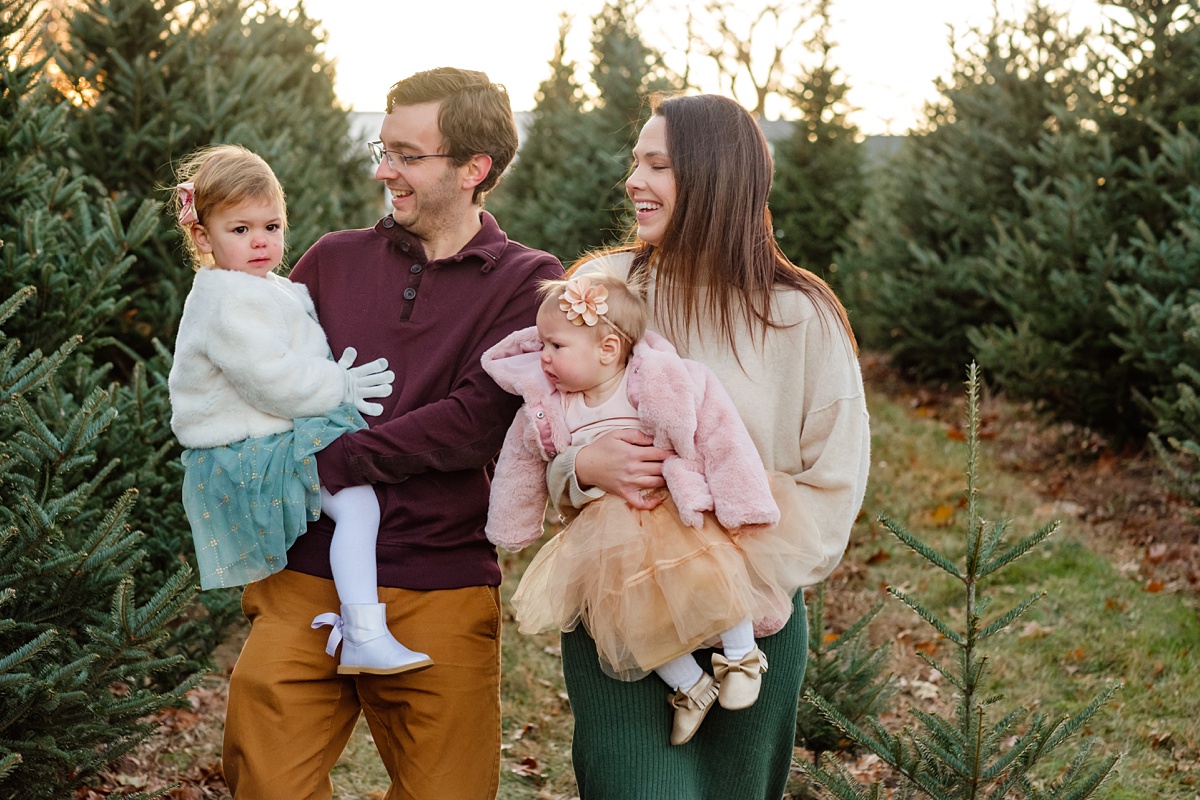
(430, 454)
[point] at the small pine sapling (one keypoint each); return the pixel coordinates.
(846, 673)
(973, 755)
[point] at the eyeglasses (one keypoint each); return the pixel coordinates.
(397, 160)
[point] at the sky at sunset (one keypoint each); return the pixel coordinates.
(890, 51)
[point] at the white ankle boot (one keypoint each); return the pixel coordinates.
(367, 644)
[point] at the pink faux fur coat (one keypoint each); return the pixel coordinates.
(681, 404)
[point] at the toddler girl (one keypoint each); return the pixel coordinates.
(255, 394)
(649, 586)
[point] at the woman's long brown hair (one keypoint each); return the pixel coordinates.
(719, 237)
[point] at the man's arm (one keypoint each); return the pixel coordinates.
(463, 430)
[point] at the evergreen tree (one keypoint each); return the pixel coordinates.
(154, 81)
(566, 193)
(819, 182)
(846, 673)
(625, 71)
(144, 84)
(1094, 277)
(1158, 318)
(1154, 63)
(1155, 313)
(1148, 60)
(548, 198)
(1050, 272)
(82, 658)
(918, 251)
(1153, 121)
(972, 755)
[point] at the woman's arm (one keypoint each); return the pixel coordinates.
(623, 462)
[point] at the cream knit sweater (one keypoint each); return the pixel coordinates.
(801, 397)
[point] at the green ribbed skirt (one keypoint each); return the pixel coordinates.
(622, 750)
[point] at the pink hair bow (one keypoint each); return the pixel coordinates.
(187, 203)
(584, 302)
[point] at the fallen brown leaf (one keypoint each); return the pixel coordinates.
(878, 557)
(942, 514)
(528, 768)
(1034, 630)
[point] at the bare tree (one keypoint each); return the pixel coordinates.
(756, 48)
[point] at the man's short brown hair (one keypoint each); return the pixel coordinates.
(475, 116)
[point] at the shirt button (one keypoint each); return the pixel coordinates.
(388, 222)
(414, 269)
(409, 294)
(403, 245)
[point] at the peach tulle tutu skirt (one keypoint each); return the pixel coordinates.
(649, 588)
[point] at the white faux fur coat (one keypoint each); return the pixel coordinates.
(249, 358)
(680, 403)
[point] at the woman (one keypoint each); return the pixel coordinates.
(725, 295)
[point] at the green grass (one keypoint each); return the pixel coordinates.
(1095, 626)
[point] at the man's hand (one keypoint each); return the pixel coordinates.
(625, 463)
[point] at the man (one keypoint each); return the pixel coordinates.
(429, 288)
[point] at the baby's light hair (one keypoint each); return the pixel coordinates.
(628, 313)
(224, 175)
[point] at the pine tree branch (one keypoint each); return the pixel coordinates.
(1006, 620)
(1019, 549)
(928, 616)
(920, 547)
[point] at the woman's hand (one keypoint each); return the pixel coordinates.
(625, 463)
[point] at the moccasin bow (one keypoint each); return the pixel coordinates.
(740, 678)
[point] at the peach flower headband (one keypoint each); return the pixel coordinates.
(586, 303)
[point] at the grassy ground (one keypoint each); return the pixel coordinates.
(1118, 607)
(1103, 619)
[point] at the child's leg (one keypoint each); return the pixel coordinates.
(738, 641)
(739, 667)
(694, 694)
(367, 644)
(680, 673)
(355, 512)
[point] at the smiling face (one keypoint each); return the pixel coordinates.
(427, 195)
(651, 184)
(243, 237)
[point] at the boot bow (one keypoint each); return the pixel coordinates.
(335, 635)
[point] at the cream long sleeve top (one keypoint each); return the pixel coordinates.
(800, 395)
(249, 358)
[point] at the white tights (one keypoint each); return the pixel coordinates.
(683, 672)
(355, 512)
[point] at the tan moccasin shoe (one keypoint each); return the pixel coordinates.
(691, 707)
(740, 678)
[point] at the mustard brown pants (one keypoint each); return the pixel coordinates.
(290, 713)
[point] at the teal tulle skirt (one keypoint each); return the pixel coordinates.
(247, 502)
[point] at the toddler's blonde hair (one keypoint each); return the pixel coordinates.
(224, 175)
(628, 312)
